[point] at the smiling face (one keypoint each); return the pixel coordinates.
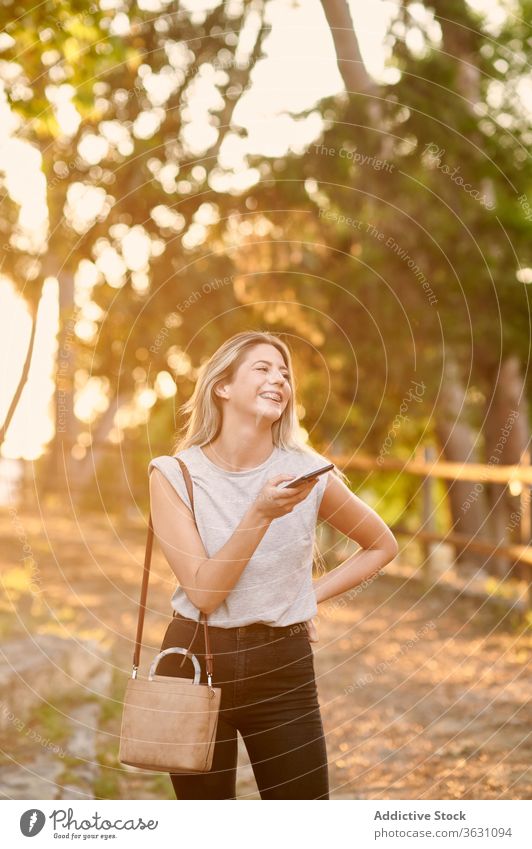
(260, 385)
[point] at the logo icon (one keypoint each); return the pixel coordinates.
(32, 822)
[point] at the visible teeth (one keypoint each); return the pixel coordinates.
(271, 395)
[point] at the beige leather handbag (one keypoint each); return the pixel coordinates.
(169, 724)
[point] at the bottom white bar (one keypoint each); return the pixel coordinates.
(338, 824)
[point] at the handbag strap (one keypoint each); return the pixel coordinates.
(144, 588)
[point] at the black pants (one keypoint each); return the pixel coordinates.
(269, 695)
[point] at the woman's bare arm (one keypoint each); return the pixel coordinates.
(342, 509)
(206, 580)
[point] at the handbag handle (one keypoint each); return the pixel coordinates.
(144, 588)
(176, 650)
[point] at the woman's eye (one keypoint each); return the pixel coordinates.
(264, 368)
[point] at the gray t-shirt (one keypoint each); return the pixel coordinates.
(276, 585)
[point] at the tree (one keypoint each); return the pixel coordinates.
(133, 78)
(408, 211)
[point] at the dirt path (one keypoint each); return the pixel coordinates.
(423, 694)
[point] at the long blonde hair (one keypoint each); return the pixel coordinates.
(203, 411)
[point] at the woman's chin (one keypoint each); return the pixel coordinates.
(269, 411)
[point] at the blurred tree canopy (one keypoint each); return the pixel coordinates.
(393, 252)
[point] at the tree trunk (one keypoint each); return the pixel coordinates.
(458, 442)
(34, 312)
(507, 435)
(349, 59)
(59, 464)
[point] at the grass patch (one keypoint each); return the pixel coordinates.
(71, 761)
(51, 723)
(107, 785)
(112, 704)
(70, 777)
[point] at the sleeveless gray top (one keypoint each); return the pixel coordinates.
(275, 587)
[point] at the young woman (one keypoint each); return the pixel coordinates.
(248, 566)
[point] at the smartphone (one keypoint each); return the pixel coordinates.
(297, 481)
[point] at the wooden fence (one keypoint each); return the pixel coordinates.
(517, 477)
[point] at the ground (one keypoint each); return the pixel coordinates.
(424, 693)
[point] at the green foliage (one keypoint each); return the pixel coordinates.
(346, 273)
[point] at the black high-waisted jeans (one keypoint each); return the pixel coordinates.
(269, 695)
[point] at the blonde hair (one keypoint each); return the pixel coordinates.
(203, 411)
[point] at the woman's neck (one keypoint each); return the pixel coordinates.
(236, 453)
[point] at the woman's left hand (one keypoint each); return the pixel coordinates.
(312, 631)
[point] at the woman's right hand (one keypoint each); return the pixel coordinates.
(273, 502)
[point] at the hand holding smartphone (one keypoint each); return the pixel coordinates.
(306, 477)
(271, 504)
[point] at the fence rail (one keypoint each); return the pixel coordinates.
(518, 553)
(429, 468)
(476, 472)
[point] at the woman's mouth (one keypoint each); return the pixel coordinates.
(272, 396)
